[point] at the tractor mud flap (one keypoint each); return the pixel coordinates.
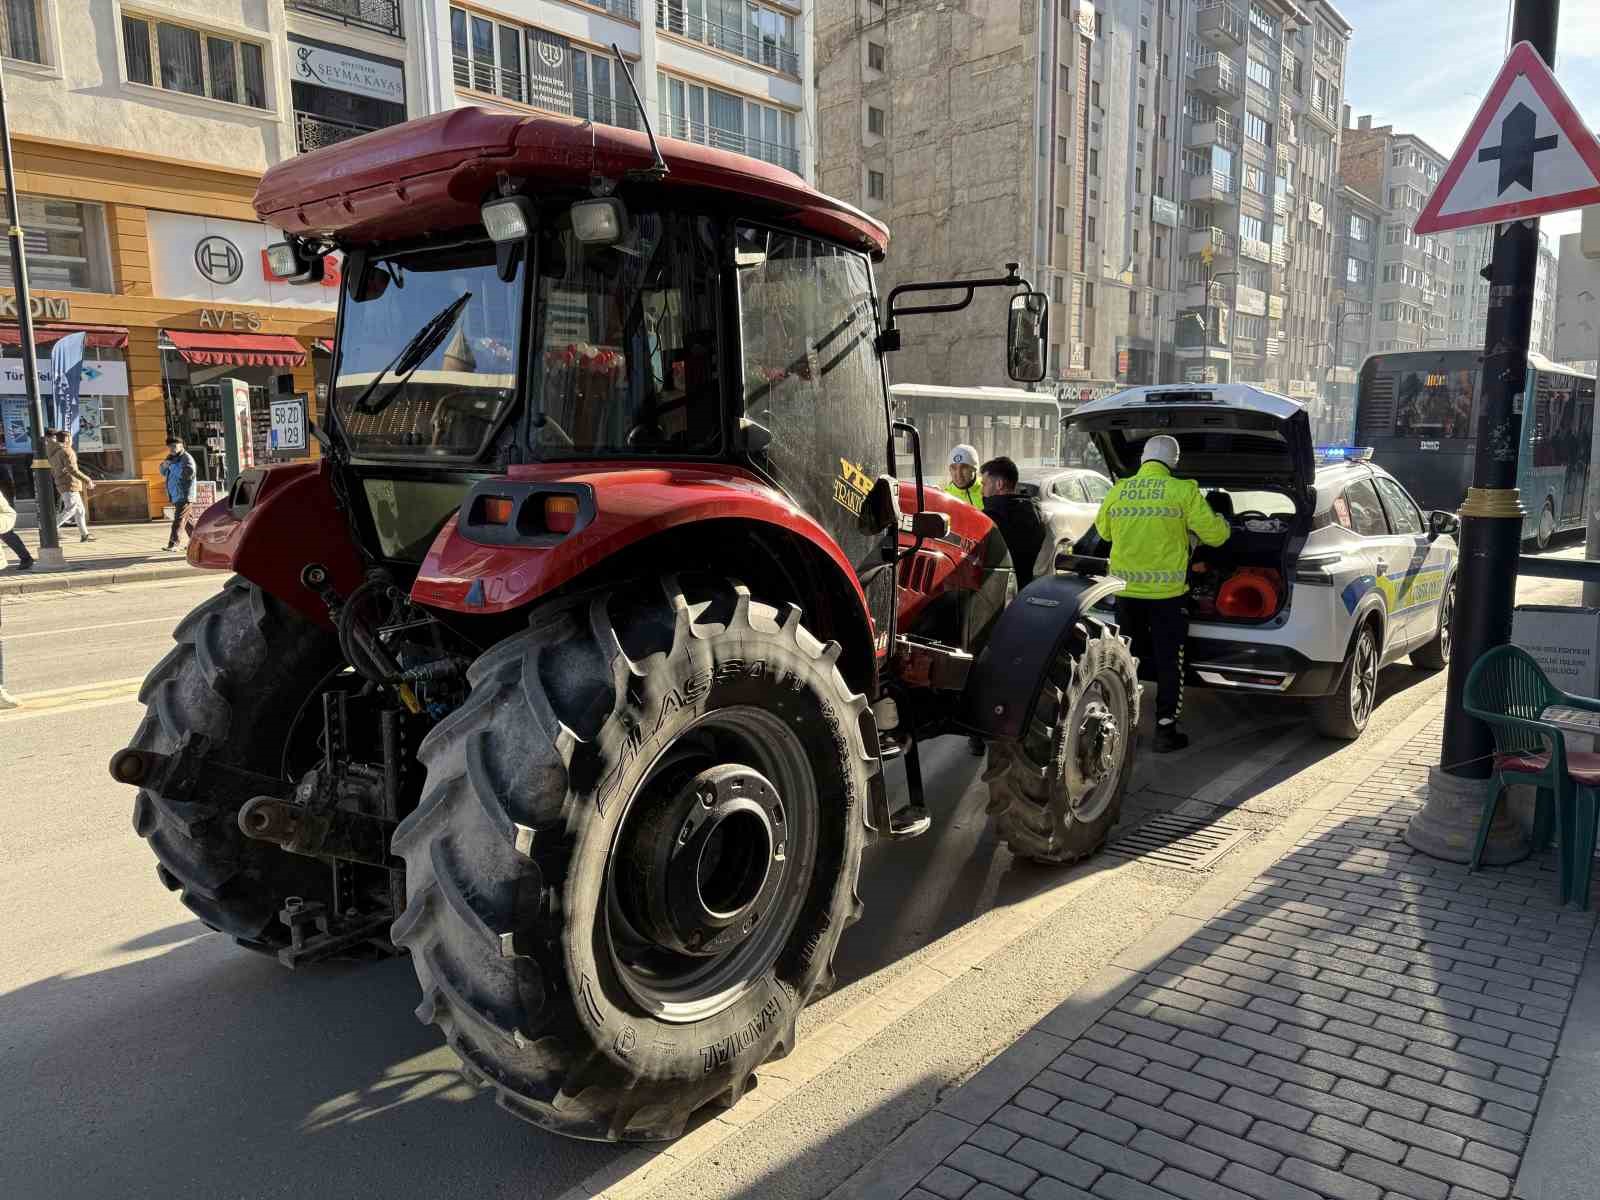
(1003, 687)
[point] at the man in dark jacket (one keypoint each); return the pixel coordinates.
(1019, 518)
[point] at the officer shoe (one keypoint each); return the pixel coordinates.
(1169, 737)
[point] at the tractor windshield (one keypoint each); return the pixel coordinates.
(628, 352)
(428, 353)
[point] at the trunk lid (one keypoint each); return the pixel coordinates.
(1230, 436)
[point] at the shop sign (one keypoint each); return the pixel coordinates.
(224, 318)
(47, 308)
(324, 66)
(223, 262)
(105, 378)
(1163, 212)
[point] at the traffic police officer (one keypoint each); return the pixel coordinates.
(963, 483)
(1148, 518)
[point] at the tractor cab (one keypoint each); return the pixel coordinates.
(573, 666)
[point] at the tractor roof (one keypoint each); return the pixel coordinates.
(431, 175)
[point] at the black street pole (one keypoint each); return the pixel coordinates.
(44, 492)
(1491, 525)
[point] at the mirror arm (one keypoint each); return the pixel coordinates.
(889, 339)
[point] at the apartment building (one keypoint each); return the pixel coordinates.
(728, 73)
(1416, 273)
(1358, 222)
(1469, 292)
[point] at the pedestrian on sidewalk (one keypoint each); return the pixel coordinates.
(71, 483)
(8, 535)
(179, 471)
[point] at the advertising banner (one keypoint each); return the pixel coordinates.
(19, 427)
(66, 369)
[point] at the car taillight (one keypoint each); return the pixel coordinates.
(496, 510)
(560, 513)
(1250, 593)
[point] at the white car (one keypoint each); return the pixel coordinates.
(1330, 571)
(1070, 498)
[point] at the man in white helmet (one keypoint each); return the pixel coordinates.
(1148, 518)
(964, 483)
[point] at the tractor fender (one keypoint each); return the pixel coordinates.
(1003, 687)
(275, 521)
(480, 571)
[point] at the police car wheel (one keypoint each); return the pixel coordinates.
(1345, 711)
(1435, 656)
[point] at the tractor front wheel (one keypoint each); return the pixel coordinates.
(636, 851)
(1057, 792)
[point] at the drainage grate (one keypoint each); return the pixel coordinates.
(1186, 843)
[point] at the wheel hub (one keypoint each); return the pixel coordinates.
(704, 863)
(1099, 742)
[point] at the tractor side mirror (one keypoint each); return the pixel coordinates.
(1441, 522)
(880, 510)
(1026, 331)
(928, 524)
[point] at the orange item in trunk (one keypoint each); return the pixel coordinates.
(1250, 592)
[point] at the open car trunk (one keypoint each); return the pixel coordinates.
(1251, 453)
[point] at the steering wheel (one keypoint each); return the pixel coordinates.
(1250, 513)
(441, 407)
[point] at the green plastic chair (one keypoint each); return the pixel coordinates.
(1507, 690)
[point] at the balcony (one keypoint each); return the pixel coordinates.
(1215, 188)
(1314, 213)
(787, 157)
(757, 48)
(1274, 347)
(1224, 131)
(1221, 244)
(1286, 126)
(313, 133)
(1275, 308)
(1216, 76)
(518, 88)
(1250, 300)
(382, 16)
(1328, 121)
(1280, 254)
(1255, 248)
(1221, 24)
(1280, 204)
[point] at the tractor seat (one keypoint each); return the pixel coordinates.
(1582, 765)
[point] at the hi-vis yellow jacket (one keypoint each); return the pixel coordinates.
(1147, 519)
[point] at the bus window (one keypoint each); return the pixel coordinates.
(1434, 403)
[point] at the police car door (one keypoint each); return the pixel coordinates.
(1385, 554)
(1422, 586)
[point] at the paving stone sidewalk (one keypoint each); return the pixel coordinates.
(1361, 1023)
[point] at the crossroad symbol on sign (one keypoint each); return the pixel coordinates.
(1527, 152)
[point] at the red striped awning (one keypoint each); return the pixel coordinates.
(102, 337)
(208, 349)
(322, 345)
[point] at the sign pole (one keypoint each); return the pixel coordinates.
(1491, 526)
(44, 492)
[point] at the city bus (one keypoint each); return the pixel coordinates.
(1418, 410)
(1023, 426)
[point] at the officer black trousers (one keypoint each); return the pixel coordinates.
(1157, 629)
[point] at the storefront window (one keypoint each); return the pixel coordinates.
(66, 244)
(103, 444)
(200, 406)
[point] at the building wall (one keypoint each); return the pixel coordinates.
(959, 163)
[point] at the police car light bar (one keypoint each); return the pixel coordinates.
(1338, 454)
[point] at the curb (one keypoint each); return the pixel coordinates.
(29, 584)
(901, 1165)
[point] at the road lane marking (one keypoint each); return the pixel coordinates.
(72, 631)
(73, 699)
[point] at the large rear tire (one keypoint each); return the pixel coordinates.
(243, 667)
(636, 850)
(1057, 794)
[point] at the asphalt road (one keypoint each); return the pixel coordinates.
(145, 1055)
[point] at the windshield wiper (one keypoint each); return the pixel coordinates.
(412, 355)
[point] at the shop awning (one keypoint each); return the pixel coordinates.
(323, 345)
(102, 337)
(207, 349)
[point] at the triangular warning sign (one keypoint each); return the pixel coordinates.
(1527, 152)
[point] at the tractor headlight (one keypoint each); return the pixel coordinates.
(599, 222)
(508, 220)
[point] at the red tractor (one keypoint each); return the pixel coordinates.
(572, 665)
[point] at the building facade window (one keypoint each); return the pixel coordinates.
(1091, 229)
(1064, 78)
(1094, 162)
(180, 58)
(1141, 116)
(875, 56)
(66, 245)
(761, 35)
(875, 185)
(1061, 219)
(697, 113)
(875, 120)
(1061, 150)
(1257, 129)
(1094, 92)
(19, 30)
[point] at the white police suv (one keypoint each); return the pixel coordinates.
(1330, 571)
